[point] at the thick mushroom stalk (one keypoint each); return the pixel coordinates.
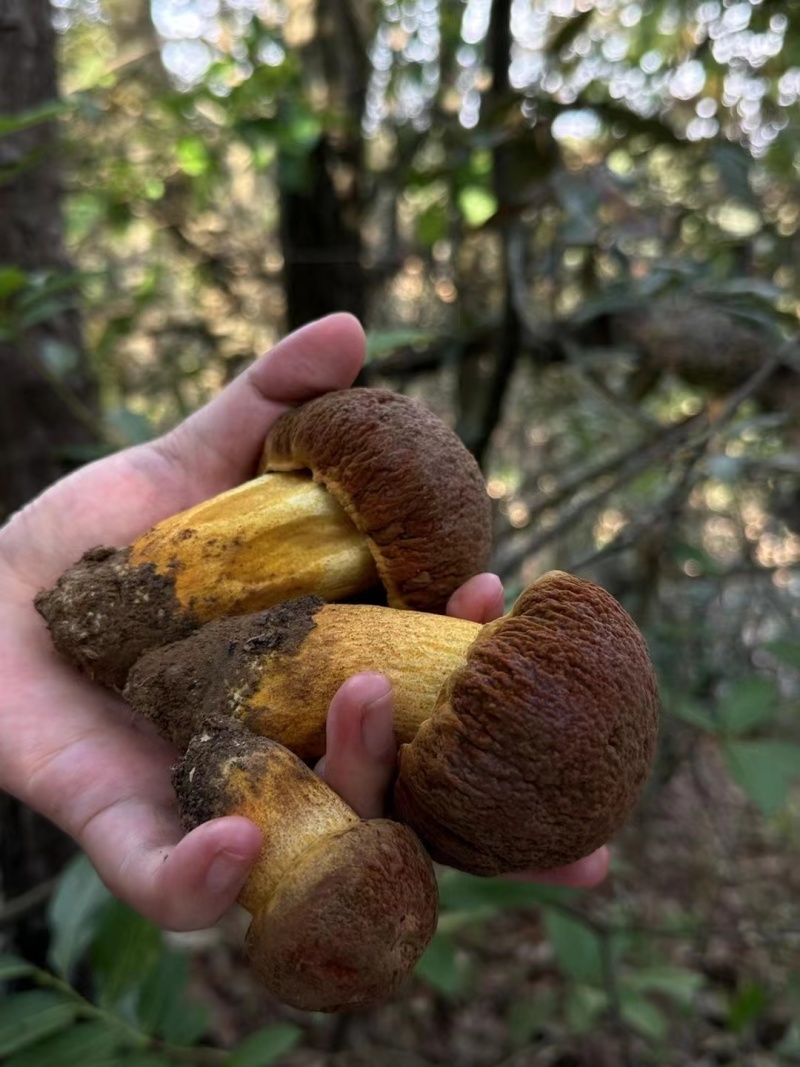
(526, 742)
(342, 908)
(266, 541)
(359, 488)
(277, 671)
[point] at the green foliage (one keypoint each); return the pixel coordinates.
(90, 1044)
(139, 1013)
(764, 770)
(266, 1047)
(441, 967)
(28, 1018)
(576, 947)
(74, 913)
(10, 124)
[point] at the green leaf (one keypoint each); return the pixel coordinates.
(679, 985)
(193, 157)
(130, 426)
(265, 1046)
(462, 892)
(746, 1006)
(382, 342)
(440, 967)
(477, 205)
(27, 1018)
(576, 947)
(747, 703)
(74, 913)
(45, 309)
(432, 225)
(790, 1043)
(23, 120)
(12, 280)
(787, 652)
(14, 967)
(584, 1007)
(143, 1059)
(694, 715)
(734, 163)
(643, 1016)
(90, 1044)
(764, 770)
(125, 950)
(452, 921)
(567, 33)
(162, 1008)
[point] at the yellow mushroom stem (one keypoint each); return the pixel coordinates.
(277, 671)
(266, 541)
(417, 653)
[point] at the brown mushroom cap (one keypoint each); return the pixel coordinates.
(541, 743)
(342, 908)
(404, 478)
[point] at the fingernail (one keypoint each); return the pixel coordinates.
(377, 726)
(226, 874)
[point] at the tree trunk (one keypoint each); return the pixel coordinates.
(481, 403)
(322, 201)
(46, 416)
(46, 400)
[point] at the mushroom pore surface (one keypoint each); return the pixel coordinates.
(342, 908)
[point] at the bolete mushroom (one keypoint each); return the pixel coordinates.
(526, 742)
(342, 908)
(358, 487)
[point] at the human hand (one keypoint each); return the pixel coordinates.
(75, 753)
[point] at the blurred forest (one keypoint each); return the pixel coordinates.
(573, 229)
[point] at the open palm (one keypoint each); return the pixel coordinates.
(76, 753)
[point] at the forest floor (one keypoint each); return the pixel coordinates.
(701, 883)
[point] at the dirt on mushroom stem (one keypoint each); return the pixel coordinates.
(277, 671)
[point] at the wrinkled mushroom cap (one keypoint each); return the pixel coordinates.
(541, 743)
(404, 478)
(350, 923)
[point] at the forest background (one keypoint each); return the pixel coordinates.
(571, 228)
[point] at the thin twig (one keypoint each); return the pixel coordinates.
(670, 504)
(630, 464)
(14, 909)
